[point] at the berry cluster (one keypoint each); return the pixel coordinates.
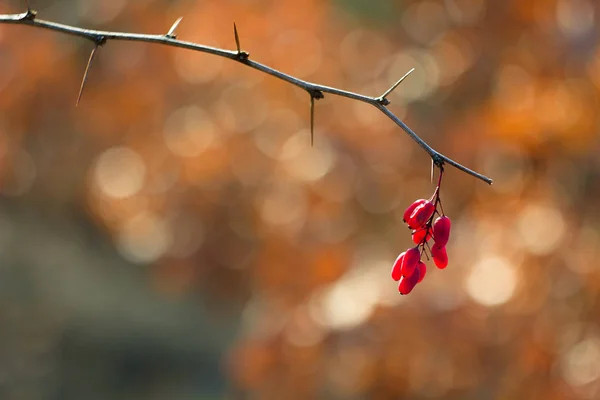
(408, 268)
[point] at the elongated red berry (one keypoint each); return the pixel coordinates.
(441, 230)
(407, 283)
(412, 257)
(440, 257)
(411, 208)
(397, 268)
(419, 235)
(421, 215)
(422, 268)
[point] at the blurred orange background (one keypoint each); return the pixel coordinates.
(176, 237)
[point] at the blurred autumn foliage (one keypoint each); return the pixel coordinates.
(176, 237)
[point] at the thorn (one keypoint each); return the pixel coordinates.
(312, 120)
(383, 96)
(85, 74)
(237, 38)
(241, 55)
(171, 34)
(314, 94)
(432, 165)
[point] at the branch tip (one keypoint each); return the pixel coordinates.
(85, 74)
(171, 34)
(383, 99)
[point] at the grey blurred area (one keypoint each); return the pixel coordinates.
(79, 322)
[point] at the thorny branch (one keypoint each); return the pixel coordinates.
(314, 90)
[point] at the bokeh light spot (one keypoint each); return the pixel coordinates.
(541, 228)
(424, 79)
(144, 238)
(581, 364)
(348, 302)
(189, 131)
(284, 203)
(492, 281)
(575, 18)
(424, 21)
(305, 162)
(120, 172)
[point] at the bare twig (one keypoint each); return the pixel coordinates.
(29, 18)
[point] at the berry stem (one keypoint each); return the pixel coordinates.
(424, 252)
(440, 178)
(435, 199)
(441, 207)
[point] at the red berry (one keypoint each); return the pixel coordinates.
(441, 230)
(419, 235)
(421, 215)
(407, 283)
(411, 208)
(410, 261)
(422, 268)
(397, 268)
(440, 257)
